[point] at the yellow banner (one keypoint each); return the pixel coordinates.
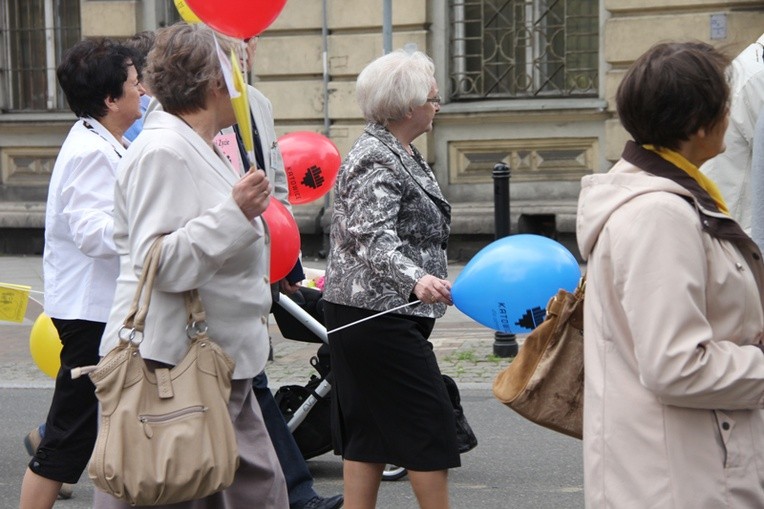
(241, 108)
(13, 302)
(186, 13)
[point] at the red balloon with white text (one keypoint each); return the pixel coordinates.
(311, 161)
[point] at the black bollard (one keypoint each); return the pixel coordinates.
(504, 344)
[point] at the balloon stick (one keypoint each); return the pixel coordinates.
(373, 316)
(319, 330)
(304, 317)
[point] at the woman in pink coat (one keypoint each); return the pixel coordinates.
(674, 367)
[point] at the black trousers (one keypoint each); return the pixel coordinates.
(71, 425)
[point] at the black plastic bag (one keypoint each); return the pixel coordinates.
(465, 437)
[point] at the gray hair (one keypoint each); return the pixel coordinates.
(390, 86)
(183, 66)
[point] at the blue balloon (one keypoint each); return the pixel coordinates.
(507, 284)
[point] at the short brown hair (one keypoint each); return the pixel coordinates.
(672, 91)
(183, 66)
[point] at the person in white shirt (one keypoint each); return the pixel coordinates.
(757, 184)
(731, 170)
(302, 494)
(80, 262)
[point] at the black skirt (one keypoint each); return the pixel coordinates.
(389, 402)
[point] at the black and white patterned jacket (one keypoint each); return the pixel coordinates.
(390, 227)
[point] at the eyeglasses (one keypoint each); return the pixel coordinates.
(436, 99)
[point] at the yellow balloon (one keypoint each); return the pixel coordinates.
(186, 13)
(45, 345)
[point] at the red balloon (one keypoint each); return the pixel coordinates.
(311, 161)
(285, 239)
(238, 18)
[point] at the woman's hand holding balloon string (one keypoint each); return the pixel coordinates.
(252, 193)
(430, 289)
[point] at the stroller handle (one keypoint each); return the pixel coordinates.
(304, 317)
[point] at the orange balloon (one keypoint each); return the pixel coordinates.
(285, 239)
(45, 345)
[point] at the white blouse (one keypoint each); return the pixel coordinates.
(80, 263)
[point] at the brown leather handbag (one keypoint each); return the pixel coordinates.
(165, 434)
(545, 381)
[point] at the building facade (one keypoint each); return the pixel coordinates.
(529, 83)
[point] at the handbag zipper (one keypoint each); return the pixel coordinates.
(147, 420)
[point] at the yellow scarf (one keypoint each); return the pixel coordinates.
(690, 169)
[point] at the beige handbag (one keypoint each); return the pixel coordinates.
(164, 435)
(545, 381)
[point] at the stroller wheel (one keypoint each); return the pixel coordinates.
(393, 473)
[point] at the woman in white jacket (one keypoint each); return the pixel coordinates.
(80, 265)
(175, 183)
(674, 367)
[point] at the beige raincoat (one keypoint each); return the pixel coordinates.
(674, 381)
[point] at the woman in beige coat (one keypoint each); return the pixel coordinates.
(175, 183)
(674, 366)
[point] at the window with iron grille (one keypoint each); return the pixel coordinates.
(517, 49)
(35, 35)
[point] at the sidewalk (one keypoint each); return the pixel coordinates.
(463, 347)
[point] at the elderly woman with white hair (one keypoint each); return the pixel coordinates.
(389, 235)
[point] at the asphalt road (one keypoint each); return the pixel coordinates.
(516, 464)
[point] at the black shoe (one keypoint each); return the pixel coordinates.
(324, 503)
(32, 441)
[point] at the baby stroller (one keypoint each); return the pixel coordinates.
(307, 408)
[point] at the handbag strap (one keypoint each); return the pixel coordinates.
(136, 316)
(139, 308)
(197, 318)
(581, 289)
